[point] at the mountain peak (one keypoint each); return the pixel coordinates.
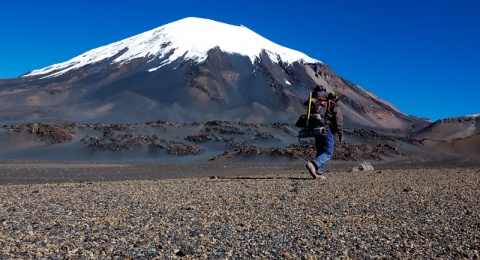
(188, 38)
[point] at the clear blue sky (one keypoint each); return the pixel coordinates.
(420, 55)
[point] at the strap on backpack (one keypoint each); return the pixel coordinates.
(309, 105)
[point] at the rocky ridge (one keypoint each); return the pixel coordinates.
(230, 139)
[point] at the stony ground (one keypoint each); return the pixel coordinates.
(402, 214)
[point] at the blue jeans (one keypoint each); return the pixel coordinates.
(324, 146)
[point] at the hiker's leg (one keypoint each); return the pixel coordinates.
(324, 151)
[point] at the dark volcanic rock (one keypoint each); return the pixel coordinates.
(179, 148)
(201, 138)
(230, 140)
(46, 133)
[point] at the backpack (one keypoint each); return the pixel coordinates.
(311, 125)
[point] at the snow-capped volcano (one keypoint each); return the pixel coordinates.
(189, 38)
(189, 70)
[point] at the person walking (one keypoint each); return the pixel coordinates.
(333, 122)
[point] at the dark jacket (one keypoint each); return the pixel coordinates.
(334, 119)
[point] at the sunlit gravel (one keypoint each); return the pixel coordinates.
(403, 214)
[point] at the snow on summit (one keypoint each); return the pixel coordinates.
(191, 38)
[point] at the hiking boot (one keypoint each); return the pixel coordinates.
(312, 170)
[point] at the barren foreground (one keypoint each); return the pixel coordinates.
(413, 213)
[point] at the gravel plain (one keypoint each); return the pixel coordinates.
(391, 213)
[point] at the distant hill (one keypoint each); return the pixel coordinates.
(458, 136)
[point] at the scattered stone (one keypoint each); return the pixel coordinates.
(364, 166)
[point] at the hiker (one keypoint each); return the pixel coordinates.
(333, 122)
